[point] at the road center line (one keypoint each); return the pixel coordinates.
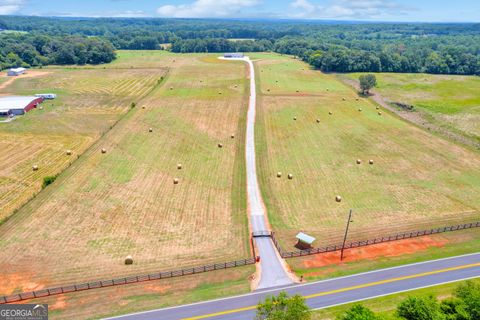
(361, 286)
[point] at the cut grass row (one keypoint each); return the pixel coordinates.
(107, 206)
(417, 180)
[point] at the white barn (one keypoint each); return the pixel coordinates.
(16, 71)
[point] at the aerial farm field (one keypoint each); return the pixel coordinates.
(449, 101)
(123, 201)
(416, 181)
(89, 103)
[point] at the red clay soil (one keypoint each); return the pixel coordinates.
(388, 249)
(17, 282)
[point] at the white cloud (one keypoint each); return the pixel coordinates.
(10, 6)
(348, 9)
(206, 9)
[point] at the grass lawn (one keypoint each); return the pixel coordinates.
(124, 202)
(449, 100)
(89, 102)
(417, 180)
(386, 306)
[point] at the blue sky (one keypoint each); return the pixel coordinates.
(377, 10)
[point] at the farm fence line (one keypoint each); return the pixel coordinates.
(122, 281)
(363, 243)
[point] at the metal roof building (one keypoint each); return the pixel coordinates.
(18, 105)
(16, 71)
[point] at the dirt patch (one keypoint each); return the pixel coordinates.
(11, 283)
(29, 74)
(388, 249)
(59, 304)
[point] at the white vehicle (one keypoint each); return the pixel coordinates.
(48, 96)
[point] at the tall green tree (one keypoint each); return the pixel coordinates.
(283, 307)
(367, 82)
(359, 312)
(420, 308)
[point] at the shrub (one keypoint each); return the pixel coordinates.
(48, 180)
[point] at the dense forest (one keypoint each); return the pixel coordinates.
(327, 45)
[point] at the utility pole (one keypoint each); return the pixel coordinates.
(346, 233)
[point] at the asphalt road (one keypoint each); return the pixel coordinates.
(330, 292)
(272, 271)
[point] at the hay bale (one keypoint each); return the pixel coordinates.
(179, 166)
(338, 199)
(279, 174)
(318, 120)
(220, 145)
(359, 161)
(344, 99)
(171, 88)
(104, 150)
(294, 118)
(370, 161)
(175, 181)
(69, 152)
(330, 112)
(378, 108)
(290, 176)
(360, 109)
(143, 107)
(379, 113)
(150, 129)
(232, 136)
(128, 260)
(268, 90)
(297, 90)
(219, 93)
(357, 99)
(34, 167)
(41, 108)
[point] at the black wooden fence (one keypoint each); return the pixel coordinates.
(363, 243)
(122, 281)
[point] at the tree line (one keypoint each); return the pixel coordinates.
(326, 45)
(34, 50)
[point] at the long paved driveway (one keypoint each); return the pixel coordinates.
(330, 292)
(272, 272)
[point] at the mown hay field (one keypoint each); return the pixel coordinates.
(124, 202)
(449, 100)
(89, 102)
(417, 180)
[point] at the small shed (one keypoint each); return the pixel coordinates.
(304, 241)
(16, 71)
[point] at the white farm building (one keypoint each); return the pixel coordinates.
(233, 55)
(16, 105)
(16, 71)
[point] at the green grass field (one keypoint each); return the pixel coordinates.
(124, 202)
(417, 180)
(449, 100)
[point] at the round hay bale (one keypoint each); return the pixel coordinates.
(128, 260)
(232, 136)
(220, 145)
(143, 107)
(294, 118)
(279, 174)
(378, 108)
(236, 86)
(370, 161)
(318, 120)
(290, 176)
(69, 152)
(338, 199)
(219, 93)
(276, 81)
(328, 89)
(41, 108)
(344, 99)
(179, 166)
(297, 90)
(360, 109)
(268, 90)
(175, 181)
(357, 99)
(330, 112)
(34, 167)
(379, 113)
(104, 150)
(150, 129)
(359, 161)
(171, 88)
